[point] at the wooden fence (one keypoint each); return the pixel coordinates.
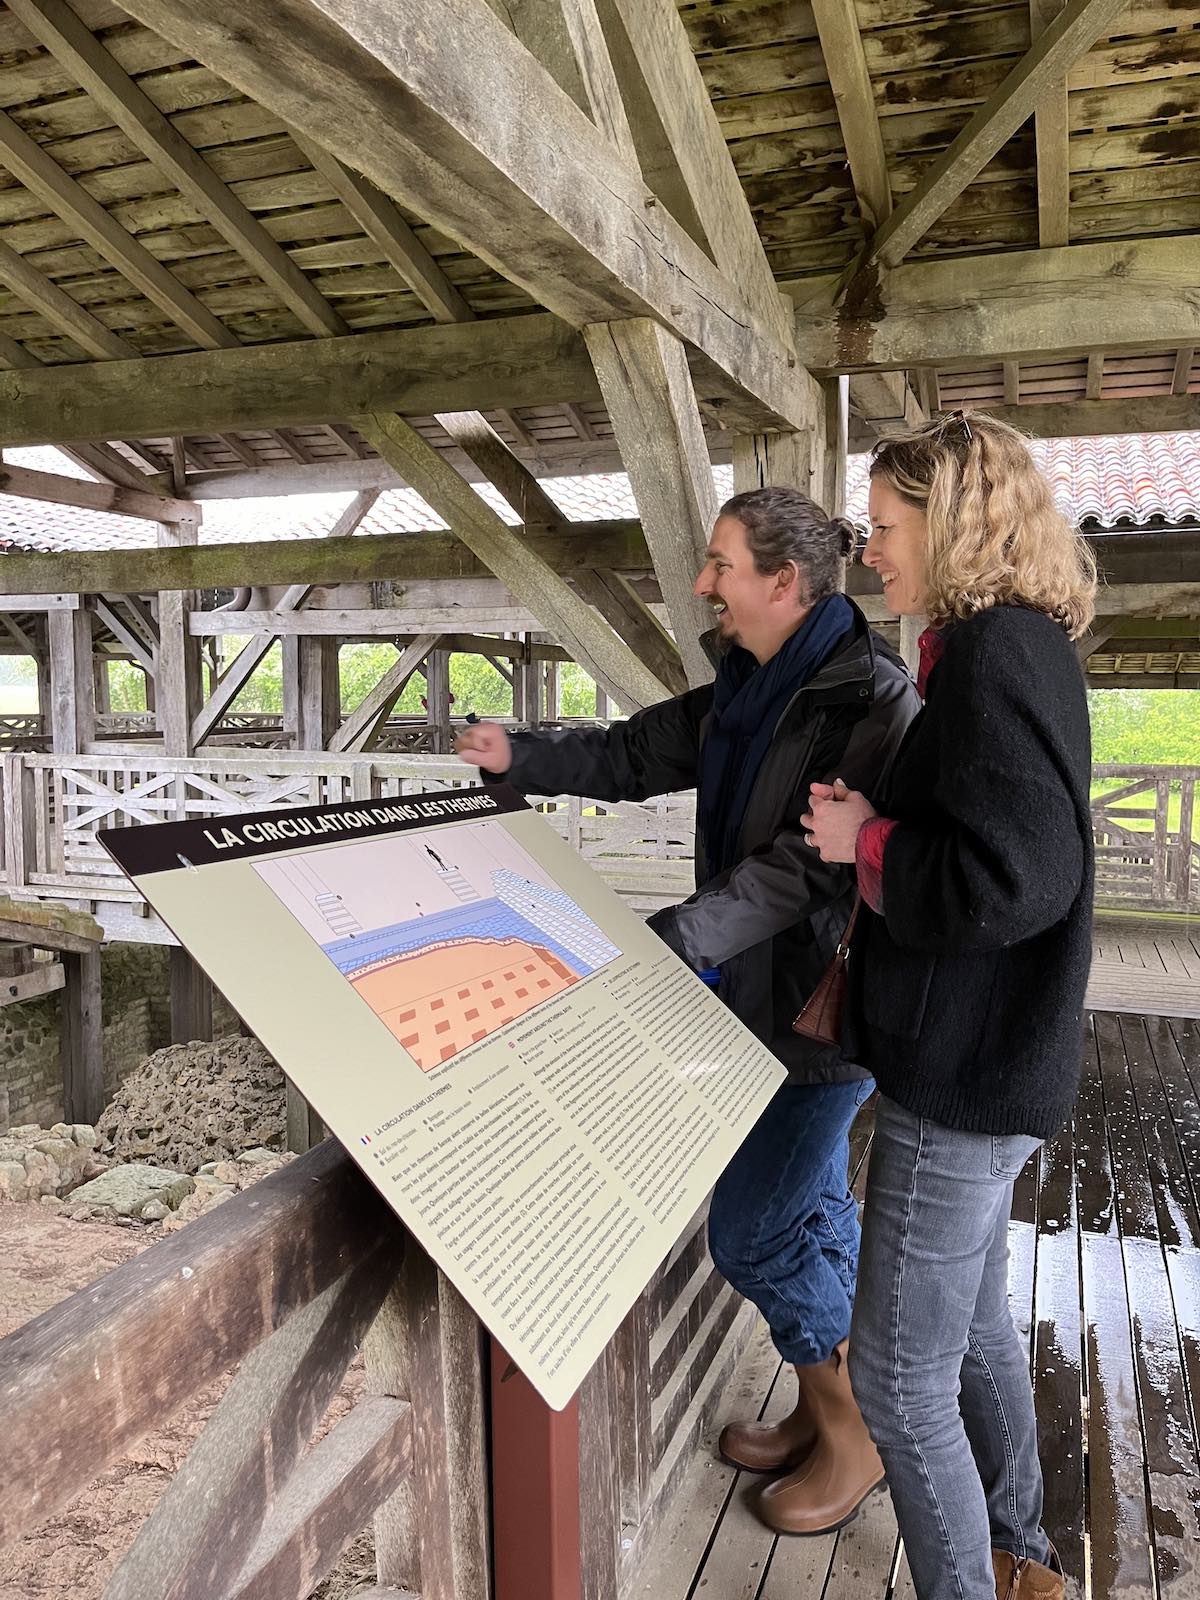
(289, 1279)
(1145, 827)
(1144, 819)
(53, 806)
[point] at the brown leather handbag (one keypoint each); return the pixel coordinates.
(821, 1017)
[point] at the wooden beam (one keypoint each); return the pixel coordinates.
(1030, 304)
(240, 670)
(846, 64)
(1095, 375)
(530, 360)
(60, 311)
(514, 560)
(72, 711)
(886, 400)
(1052, 130)
(107, 464)
(620, 607)
(380, 220)
(659, 41)
(650, 399)
(1012, 383)
(177, 679)
(408, 555)
(567, 38)
(615, 598)
(575, 232)
(837, 428)
(57, 27)
(1083, 419)
(1181, 376)
(38, 171)
(1069, 36)
(378, 702)
(82, 1038)
(30, 484)
(123, 633)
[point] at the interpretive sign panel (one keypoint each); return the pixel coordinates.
(540, 1089)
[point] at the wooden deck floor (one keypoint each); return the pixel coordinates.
(1105, 1282)
(1146, 965)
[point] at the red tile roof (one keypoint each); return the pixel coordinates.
(1132, 481)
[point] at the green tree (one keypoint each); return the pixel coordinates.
(1145, 727)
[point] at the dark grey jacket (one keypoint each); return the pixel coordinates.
(772, 922)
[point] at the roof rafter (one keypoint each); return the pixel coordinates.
(41, 174)
(846, 63)
(56, 305)
(1052, 138)
(1068, 37)
(574, 230)
(74, 47)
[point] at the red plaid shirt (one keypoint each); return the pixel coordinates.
(876, 831)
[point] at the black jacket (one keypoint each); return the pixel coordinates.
(966, 996)
(772, 922)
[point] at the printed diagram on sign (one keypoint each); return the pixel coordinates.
(447, 934)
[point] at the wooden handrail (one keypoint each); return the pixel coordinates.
(81, 1383)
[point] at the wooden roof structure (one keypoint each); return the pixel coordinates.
(158, 196)
(318, 245)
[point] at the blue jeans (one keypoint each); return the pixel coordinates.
(783, 1225)
(938, 1371)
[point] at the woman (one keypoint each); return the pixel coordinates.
(966, 985)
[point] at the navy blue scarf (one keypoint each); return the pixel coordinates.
(748, 701)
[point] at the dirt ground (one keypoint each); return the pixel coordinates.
(44, 1258)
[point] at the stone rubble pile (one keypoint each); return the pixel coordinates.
(193, 1104)
(216, 1182)
(46, 1163)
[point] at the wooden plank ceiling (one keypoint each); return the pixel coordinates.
(149, 208)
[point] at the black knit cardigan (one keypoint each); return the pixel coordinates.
(966, 994)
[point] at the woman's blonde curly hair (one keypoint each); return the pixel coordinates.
(995, 534)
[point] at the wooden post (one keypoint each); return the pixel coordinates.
(526, 688)
(836, 393)
(643, 374)
(550, 690)
(82, 1038)
(761, 459)
(320, 691)
(426, 1346)
(601, 703)
(100, 690)
(290, 648)
(72, 683)
(178, 682)
(304, 1128)
(191, 998)
(437, 695)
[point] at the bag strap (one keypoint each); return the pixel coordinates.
(843, 949)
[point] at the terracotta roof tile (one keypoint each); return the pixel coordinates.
(1115, 482)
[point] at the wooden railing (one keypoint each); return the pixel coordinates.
(289, 1278)
(1144, 819)
(53, 806)
(1145, 826)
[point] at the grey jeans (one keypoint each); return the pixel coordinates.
(935, 1362)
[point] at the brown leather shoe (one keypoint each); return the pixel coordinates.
(844, 1467)
(771, 1446)
(1027, 1580)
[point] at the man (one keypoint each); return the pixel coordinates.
(804, 692)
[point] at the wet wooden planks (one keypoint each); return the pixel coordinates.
(1105, 1283)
